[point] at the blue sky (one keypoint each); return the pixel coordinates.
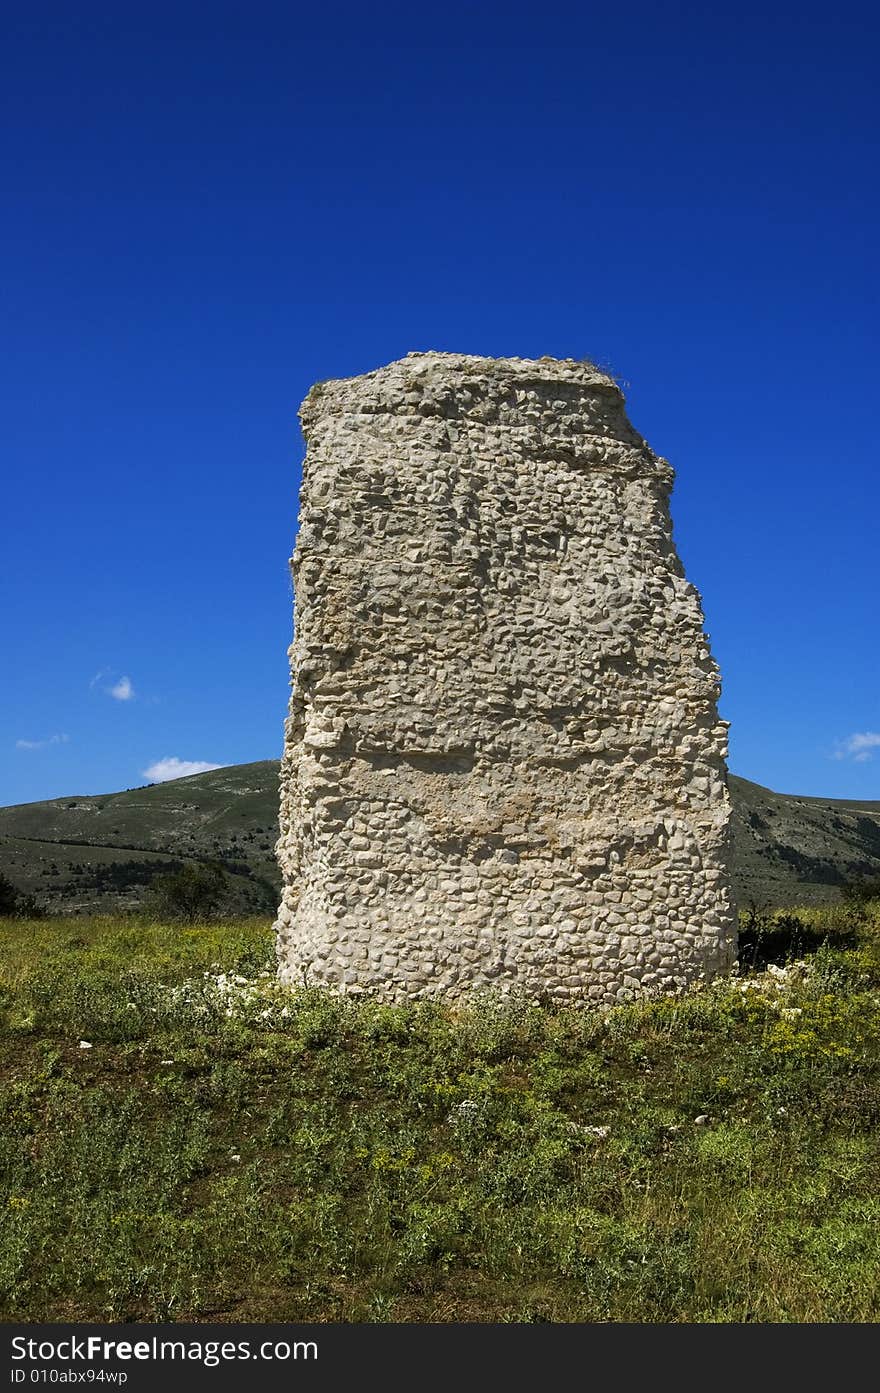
(206, 209)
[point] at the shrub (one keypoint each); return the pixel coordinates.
(193, 893)
(780, 937)
(15, 904)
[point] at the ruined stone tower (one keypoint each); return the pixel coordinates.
(503, 762)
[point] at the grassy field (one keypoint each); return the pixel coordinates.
(184, 1140)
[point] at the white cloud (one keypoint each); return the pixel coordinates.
(173, 768)
(41, 744)
(859, 747)
(121, 689)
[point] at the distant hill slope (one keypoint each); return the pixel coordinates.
(794, 850)
(101, 853)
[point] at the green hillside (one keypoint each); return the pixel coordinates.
(793, 850)
(82, 854)
(101, 853)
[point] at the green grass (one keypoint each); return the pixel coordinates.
(234, 1151)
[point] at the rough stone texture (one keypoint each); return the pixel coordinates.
(503, 762)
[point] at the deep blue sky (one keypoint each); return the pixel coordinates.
(207, 209)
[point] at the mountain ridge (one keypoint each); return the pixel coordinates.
(100, 852)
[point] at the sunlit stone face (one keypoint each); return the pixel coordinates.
(503, 761)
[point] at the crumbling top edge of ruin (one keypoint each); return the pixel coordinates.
(334, 393)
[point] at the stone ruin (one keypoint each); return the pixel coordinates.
(503, 764)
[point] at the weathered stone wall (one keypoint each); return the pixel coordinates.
(504, 763)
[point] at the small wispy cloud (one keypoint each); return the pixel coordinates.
(859, 747)
(41, 744)
(122, 690)
(173, 768)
